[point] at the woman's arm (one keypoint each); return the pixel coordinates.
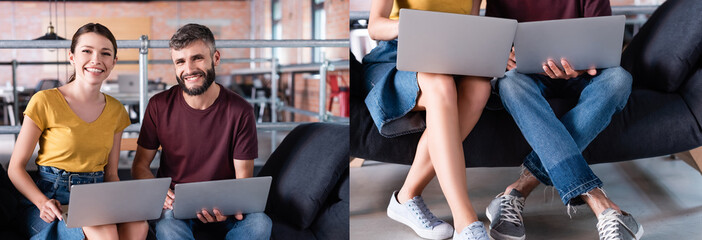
(24, 147)
(380, 26)
(113, 159)
(476, 7)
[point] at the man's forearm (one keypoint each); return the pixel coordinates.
(140, 172)
(141, 168)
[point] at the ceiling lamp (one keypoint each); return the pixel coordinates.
(50, 34)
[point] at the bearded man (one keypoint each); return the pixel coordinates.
(206, 132)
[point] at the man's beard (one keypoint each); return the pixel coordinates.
(209, 79)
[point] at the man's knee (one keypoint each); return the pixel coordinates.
(258, 225)
(618, 78)
(513, 84)
(260, 219)
(168, 226)
(617, 82)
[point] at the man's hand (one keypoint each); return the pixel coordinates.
(50, 210)
(170, 197)
(512, 63)
(206, 217)
(551, 70)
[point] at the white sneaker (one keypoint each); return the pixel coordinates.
(415, 214)
(474, 231)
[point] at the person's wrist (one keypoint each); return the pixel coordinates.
(41, 202)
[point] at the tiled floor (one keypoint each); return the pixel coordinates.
(664, 195)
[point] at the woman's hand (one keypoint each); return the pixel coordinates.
(50, 210)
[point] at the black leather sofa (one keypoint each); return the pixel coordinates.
(663, 115)
(309, 196)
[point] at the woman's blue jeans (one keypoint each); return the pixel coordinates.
(55, 184)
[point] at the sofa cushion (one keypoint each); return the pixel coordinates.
(9, 199)
(667, 49)
(306, 167)
(333, 220)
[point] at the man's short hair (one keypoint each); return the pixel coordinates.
(190, 33)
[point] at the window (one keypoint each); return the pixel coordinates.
(277, 30)
(318, 26)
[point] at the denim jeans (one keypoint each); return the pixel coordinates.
(54, 183)
(253, 226)
(392, 94)
(557, 144)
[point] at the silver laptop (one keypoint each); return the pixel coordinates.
(246, 195)
(128, 83)
(584, 42)
(458, 44)
(116, 202)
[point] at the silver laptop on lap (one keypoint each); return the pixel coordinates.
(458, 44)
(116, 202)
(232, 196)
(584, 42)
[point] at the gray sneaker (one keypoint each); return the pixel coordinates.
(505, 214)
(613, 225)
(474, 231)
(415, 214)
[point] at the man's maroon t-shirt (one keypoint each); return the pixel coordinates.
(539, 10)
(199, 145)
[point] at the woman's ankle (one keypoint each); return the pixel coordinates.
(404, 195)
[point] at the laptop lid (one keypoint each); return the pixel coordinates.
(116, 202)
(457, 44)
(128, 83)
(584, 42)
(231, 196)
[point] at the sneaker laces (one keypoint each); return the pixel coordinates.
(477, 232)
(421, 211)
(511, 208)
(608, 226)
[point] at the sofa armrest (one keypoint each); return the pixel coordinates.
(306, 167)
(692, 95)
(667, 49)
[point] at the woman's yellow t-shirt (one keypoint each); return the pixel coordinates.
(447, 6)
(69, 143)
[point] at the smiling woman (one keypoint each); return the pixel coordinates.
(98, 39)
(77, 128)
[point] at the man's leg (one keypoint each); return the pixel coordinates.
(605, 94)
(168, 227)
(561, 158)
(254, 226)
(523, 97)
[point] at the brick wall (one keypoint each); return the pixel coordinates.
(296, 23)
(228, 19)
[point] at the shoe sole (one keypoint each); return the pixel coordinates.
(424, 233)
(495, 235)
(639, 233)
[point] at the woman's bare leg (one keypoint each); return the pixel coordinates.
(442, 141)
(102, 232)
(133, 230)
(473, 95)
